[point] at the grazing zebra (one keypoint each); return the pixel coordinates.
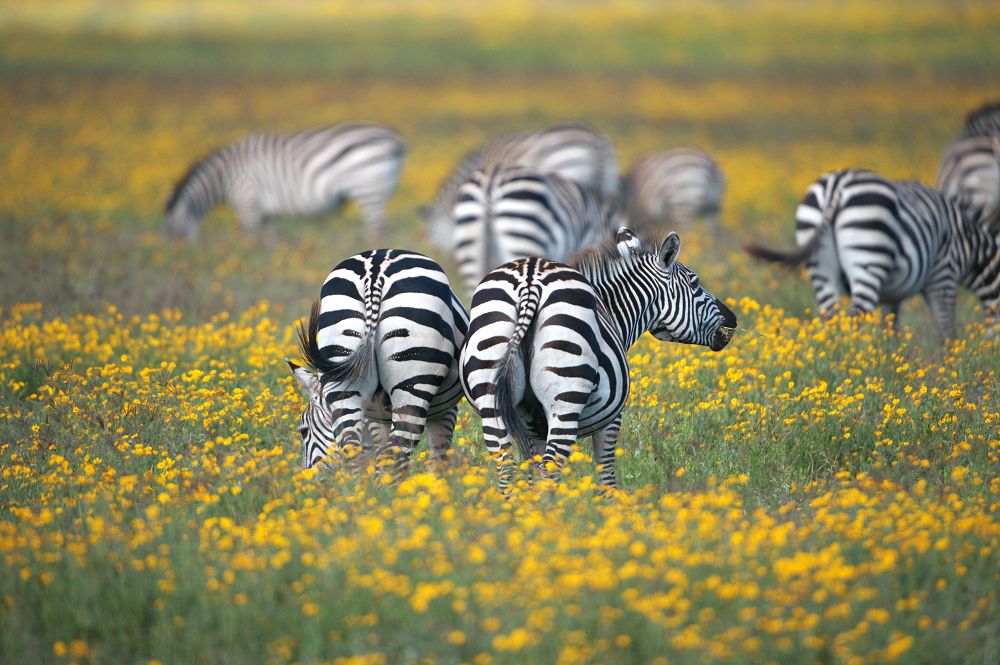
(510, 212)
(575, 151)
(309, 172)
(544, 362)
(879, 240)
(970, 173)
(675, 187)
(984, 121)
(381, 346)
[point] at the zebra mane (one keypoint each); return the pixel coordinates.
(599, 257)
(308, 346)
(196, 169)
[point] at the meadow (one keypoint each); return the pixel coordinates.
(818, 492)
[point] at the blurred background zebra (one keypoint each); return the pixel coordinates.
(545, 358)
(970, 173)
(882, 241)
(674, 188)
(575, 151)
(984, 121)
(381, 347)
(505, 213)
(309, 172)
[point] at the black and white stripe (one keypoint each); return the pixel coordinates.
(882, 241)
(970, 173)
(309, 172)
(381, 347)
(675, 187)
(505, 213)
(544, 362)
(574, 151)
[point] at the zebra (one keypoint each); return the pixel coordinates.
(545, 363)
(984, 121)
(381, 347)
(675, 186)
(879, 240)
(574, 150)
(308, 172)
(509, 212)
(970, 173)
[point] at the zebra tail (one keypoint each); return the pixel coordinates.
(788, 259)
(347, 370)
(504, 378)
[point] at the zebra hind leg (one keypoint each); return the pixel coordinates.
(562, 435)
(605, 448)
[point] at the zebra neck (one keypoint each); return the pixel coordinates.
(627, 299)
(206, 185)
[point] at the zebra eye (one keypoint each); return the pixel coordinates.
(303, 432)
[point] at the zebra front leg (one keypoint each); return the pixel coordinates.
(499, 444)
(605, 448)
(345, 409)
(408, 422)
(890, 316)
(376, 435)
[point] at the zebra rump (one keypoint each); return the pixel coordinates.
(348, 369)
(505, 213)
(573, 150)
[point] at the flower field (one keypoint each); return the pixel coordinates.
(818, 492)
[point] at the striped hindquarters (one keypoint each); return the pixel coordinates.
(574, 151)
(506, 213)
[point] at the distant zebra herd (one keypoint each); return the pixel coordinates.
(538, 224)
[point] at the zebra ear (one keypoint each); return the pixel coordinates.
(306, 378)
(626, 241)
(669, 250)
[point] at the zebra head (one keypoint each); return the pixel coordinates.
(687, 313)
(316, 424)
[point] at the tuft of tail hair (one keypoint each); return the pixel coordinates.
(794, 257)
(503, 381)
(347, 370)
